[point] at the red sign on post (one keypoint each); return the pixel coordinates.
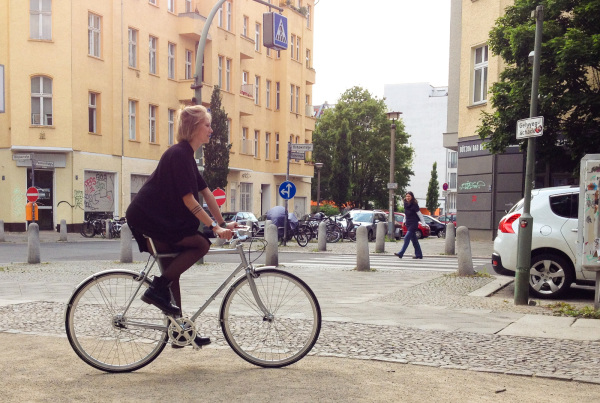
(32, 194)
(219, 196)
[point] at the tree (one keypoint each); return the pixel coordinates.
(433, 193)
(569, 90)
(362, 120)
(216, 152)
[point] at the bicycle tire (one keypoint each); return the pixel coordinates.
(88, 230)
(100, 341)
(333, 233)
(303, 236)
(276, 342)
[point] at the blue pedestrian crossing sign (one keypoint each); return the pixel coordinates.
(287, 190)
(275, 31)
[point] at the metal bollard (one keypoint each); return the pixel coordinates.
(449, 246)
(362, 249)
(382, 229)
(63, 231)
(33, 243)
(272, 250)
(126, 253)
(465, 258)
(322, 237)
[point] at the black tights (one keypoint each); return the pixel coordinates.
(190, 249)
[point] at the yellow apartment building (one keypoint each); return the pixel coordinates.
(90, 90)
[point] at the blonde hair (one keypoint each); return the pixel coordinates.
(188, 119)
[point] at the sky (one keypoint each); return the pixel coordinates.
(370, 43)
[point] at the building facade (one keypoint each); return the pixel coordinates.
(92, 89)
(424, 109)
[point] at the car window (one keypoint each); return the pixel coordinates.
(252, 217)
(228, 216)
(399, 218)
(565, 205)
(362, 217)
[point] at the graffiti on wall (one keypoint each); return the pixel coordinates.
(591, 225)
(99, 190)
(78, 199)
(472, 185)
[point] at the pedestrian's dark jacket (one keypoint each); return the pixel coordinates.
(411, 219)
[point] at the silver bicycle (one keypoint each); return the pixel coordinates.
(269, 317)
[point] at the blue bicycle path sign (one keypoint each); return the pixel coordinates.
(287, 190)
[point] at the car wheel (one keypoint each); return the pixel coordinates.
(550, 276)
(419, 234)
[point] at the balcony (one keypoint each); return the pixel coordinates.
(246, 98)
(247, 49)
(310, 75)
(191, 26)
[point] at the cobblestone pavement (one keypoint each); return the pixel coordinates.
(528, 356)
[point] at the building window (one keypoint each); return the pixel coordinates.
(93, 106)
(41, 101)
(220, 16)
(308, 109)
(133, 105)
(277, 146)
(480, 74)
(133, 38)
(245, 196)
(228, 74)
(267, 145)
(94, 31)
(268, 89)
(153, 2)
(308, 58)
(152, 54)
(228, 20)
(298, 48)
(188, 6)
(228, 131)
(171, 120)
(277, 98)
(220, 72)
(452, 184)
(292, 89)
(308, 17)
(40, 19)
(245, 27)
(256, 140)
(244, 140)
(171, 69)
(257, 37)
(292, 44)
(188, 64)
(152, 123)
(452, 159)
(297, 98)
(171, 6)
(256, 90)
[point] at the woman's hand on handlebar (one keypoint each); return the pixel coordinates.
(223, 233)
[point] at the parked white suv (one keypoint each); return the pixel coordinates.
(553, 245)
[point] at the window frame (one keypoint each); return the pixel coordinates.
(189, 64)
(257, 37)
(479, 92)
(245, 196)
(132, 37)
(220, 60)
(171, 6)
(94, 35)
(132, 117)
(171, 52)
(41, 16)
(256, 143)
(152, 123)
(228, 64)
(277, 95)
(93, 112)
(171, 126)
(244, 149)
(153, 55)
(256, 90)
(276, 146)
(41, 97)
(268, 94)
(267, 145)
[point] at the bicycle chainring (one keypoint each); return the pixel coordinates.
(185, 335)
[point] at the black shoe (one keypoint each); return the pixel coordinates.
(200, 341)
(399, 256)
(416, 257)
(159, 295)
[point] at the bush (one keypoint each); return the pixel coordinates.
(327, 209)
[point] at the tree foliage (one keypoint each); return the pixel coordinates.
(216, 152)
(433, 193)
(352, 140)
(569, 87)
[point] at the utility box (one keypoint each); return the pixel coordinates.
(588, 238)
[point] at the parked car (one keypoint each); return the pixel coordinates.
(368, 219)
(423, 232)
(553, 245)
(242, 218)
(437, 228)
(261, 225)
(445, 219)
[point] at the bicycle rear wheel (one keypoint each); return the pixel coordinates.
(287, 334)
(88, 230)
(303, 235)
(104, 338)
(333, 233)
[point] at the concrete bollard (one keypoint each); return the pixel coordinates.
(33, 243)
(322, 237)
(271, 251)
(382, 228)
(362, 249)
(126, 253)
(450, 247)
(63, 231)
(107, 224)
(465, 258)
(2, 239)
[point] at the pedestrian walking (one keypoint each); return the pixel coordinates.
(411, 219)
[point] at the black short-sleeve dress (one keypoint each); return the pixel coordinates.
(158, 210)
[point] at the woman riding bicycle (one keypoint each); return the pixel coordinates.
(167, 209)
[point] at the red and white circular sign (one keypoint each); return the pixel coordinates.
(32, 194)
(220, 196)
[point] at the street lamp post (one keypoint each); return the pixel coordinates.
(318, 165)
(393, 116)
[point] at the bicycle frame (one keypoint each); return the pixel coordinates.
(244, 265)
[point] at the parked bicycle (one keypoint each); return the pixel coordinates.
(269, 317)
(333, 231)
(347, 227)
(94, 224)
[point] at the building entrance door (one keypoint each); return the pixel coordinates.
(43, 181)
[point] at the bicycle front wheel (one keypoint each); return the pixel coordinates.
(105, 338)
(88, 230)
(303, 236)
(281, 337)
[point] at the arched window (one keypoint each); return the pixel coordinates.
(41, 101)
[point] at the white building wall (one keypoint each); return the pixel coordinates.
(424, 113)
